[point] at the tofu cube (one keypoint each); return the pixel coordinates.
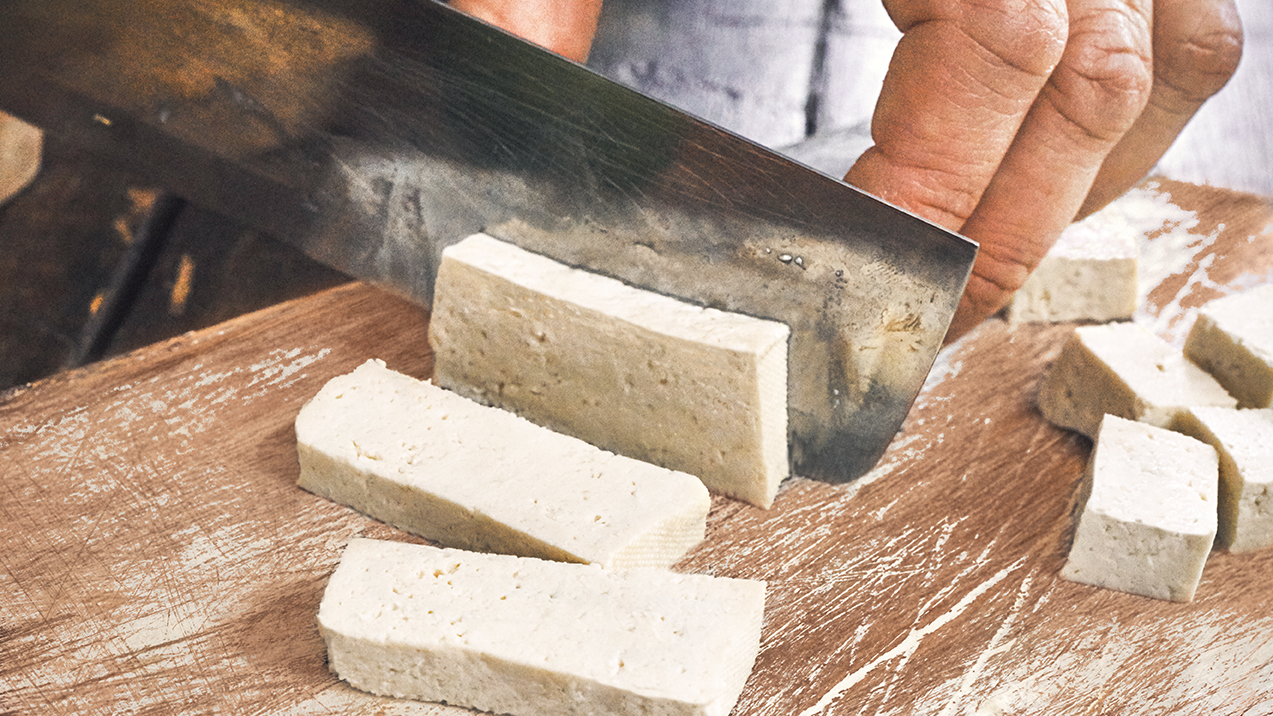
(534, 638)
(635, 372)
(1244, 439)
(438, 465)
(1232, 339)
(1149, 518)
(1090, 274)
(1123, 369)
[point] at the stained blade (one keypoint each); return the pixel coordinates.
(374, 134)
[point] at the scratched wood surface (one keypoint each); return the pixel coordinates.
(158, 557)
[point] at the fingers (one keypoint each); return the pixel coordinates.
(1092, 99)
(1006, 119)
(1197, 46)
(563, 26)
(961, 81)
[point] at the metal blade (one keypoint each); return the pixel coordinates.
(373, 133)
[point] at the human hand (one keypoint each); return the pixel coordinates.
(563, 26)
(1006, 120)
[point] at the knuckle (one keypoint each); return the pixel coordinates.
(1025, 34)
(946, 195)
(987, 292)
(1030, 35)
(1107, 73)
(1010, 259)
(1000, 269)
(1195, 64)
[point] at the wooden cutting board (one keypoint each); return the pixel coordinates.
(158, 557)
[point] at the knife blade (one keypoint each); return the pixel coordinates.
(374, 133)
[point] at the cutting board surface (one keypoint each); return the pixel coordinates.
(158, 557)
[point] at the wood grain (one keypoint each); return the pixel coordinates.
(158, 553)
(160, 559)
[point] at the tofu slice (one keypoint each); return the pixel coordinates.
(635, 372)
(438, 465)
(1090, 274)
(1123, 369)
(1244, 440)
(529, 637)
(1149, 518)
(1232, 339)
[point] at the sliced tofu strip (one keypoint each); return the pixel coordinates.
(689, 388)
(529, 637)
(438, 465)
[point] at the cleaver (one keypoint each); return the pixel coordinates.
(372, 134)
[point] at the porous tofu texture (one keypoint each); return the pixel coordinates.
(530, 637)
(1123, 369)
(1232, 338)
(1244, 439)
(438, 465)
(1149, 517)
(632, 371)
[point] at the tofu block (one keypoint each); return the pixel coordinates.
(530, 637)
(1149, 518)
(438, 465)
(1232, 339)
(635, 372)
(1244, 440)
(1123, 369)
(1090, 274)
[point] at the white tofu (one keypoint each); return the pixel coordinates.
(1123, 369)
(530, 637)
(1149, 519)
(689, 388)
(1244, 439)
(1232, 339)
(1090, 274)
(438, 465)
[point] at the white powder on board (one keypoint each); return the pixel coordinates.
(910, 644)
(1173, 246)
(1166, 232)
(1100, 671)
(1171, 243)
